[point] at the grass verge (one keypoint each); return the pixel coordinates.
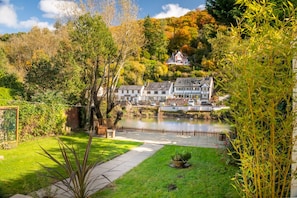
(21, 171)
(208, 176)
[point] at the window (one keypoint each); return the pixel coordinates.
(148, 92)
(163, 92)
(155, 92)
(133, 91)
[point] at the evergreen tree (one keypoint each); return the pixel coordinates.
(156, 42)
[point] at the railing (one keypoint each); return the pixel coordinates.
(177, 132)
(186, 108)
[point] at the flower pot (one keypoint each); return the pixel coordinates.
(178, 163)
(101, 130)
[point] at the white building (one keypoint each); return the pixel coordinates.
(195, 88)
(178, 59)
(158, 91)
(131, 93)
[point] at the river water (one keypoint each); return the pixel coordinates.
(175, 124)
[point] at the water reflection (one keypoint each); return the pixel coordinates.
(174, 124)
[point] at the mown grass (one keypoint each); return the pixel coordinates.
(208, 176)
(21, 172)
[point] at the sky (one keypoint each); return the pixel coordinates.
(22, 15)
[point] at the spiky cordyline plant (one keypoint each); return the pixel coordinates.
(73, 173)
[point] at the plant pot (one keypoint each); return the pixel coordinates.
(101, 130)
(178, 163)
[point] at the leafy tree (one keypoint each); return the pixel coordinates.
(156, 41)
(9, 80)
(102, 53)
(129, 39)
(42, 76)
(72, 84)
(258, 75)
(94, 49)
(225, 11)
(228, 12)
(24, 49)
(132, 73)
(155, 71)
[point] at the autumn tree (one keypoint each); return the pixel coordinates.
(133, 73)
(24, 48)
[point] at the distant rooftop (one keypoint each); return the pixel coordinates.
(158, 85)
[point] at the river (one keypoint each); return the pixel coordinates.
(174, 124)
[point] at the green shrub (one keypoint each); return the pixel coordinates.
(5, 96)
(45, 116)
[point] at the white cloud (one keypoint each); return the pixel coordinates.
(201, 7)
(172, 10)
(8, 14)
(33, 21)
(52, 9)
(57, 8)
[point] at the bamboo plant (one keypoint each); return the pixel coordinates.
(256, 70)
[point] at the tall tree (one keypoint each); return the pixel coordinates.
(94, 51)
(156, 41)
(129, 39)
(228, 12)
(225, 11)
(126, 40)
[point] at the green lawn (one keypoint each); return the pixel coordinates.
(208, 176)
(21, 172)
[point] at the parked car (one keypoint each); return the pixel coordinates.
(191, 102)
(153, 104)
(206, 103)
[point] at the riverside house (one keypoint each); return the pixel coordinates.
(131, 93)
(194, 88)
(183, 88)
(158, 91)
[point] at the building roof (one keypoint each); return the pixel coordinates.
(131, 87)
(193, 81)
(163, 86)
